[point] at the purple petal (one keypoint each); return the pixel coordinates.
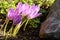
(25, 6)
(37, 14)
(25, 9)
(17, 12)
(33, 11)
(19, 7)
(37, 9)
(17, 19)
(10, 14)
(33, 16)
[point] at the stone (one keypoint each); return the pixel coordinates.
(51, 26)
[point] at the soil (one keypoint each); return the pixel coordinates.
(30, 34)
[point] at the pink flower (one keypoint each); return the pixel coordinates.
(33, 12)
(14, 15)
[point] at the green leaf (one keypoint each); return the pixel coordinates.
(34, 22)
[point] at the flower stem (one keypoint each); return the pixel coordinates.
(3, 24)
(9, 33)
(6, 26)
(25, 25)
(6, 36)
(11, 29)
(18, 26)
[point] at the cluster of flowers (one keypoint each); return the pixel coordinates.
(21, 11)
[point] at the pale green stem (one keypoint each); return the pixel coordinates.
(6, 26)
(25, 25)
(3, 24)
(18, 26)
(6, 36)
(9, 33)
(11, 29)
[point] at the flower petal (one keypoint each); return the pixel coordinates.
(37, 14)
(19, 7)
(25, 9)
(33, 12)
(10, 14)
(17, 19)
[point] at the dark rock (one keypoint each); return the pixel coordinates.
(51, 26)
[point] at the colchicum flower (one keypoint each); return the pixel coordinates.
(25, 9)
(10, 14)
(21, 11)
(19, 7)
(14, 15)
(33, 12)
(29, 11)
